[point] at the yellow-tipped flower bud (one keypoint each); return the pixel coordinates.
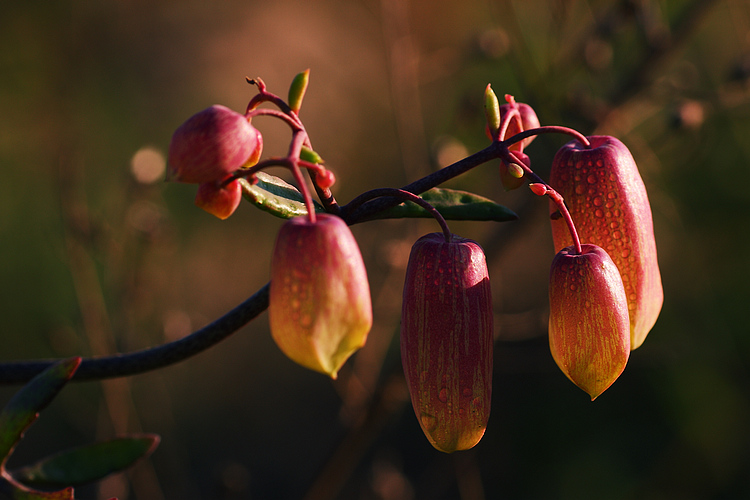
(589, 327)
(608, 203)
(320, 309)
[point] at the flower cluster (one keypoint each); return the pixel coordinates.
(605, 289)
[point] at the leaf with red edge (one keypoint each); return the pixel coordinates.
(23, 409)
(87, 464)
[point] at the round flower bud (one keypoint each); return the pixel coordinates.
(211, 145)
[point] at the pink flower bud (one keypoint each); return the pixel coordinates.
(529, 120)
(446, 340)
(589, 328)
(320, 310)
(219, 200)
(211, 145)
(609, 205)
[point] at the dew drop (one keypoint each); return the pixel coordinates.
(617, 234)
(306, 320)
(598, 201)
(443, 395)
(467, 392)
(599, 213)
(625, 253)
(580, 189)
(572, 287)
(429, 422)
(591, 179)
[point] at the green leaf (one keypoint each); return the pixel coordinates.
(23, 409)
(275, 196)
(87, 464)
(453, 205)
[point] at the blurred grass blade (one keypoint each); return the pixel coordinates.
(453, 205)
(87, 464)
(275, 196)
(24, 407)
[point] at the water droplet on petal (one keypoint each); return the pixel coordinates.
(443, 396)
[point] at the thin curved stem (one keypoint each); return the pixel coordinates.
(556, 197)
(121, 365)
(549, 129)
(356, 214)
(406, 195)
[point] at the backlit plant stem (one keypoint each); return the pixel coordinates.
(406, 195)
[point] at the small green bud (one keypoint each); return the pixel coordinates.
(297, 90)
(308, 154)
(492, 110)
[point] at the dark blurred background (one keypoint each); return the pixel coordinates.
(98, 255)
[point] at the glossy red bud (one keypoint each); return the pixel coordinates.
(211, 145)
(446, 340)
(529, 120)
(320, 311)
(607, 199)
(589, 327)
(218, 199)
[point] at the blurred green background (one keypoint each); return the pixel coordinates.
(97, 255)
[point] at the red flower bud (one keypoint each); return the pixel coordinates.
(589, 328)
(217, 199)
(211, 145)
(446, 340)
(609, 205)
(320, 310)
(529, 120)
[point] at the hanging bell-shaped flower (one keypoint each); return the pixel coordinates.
(320, 310)
(589, 327)
(447, 338)
(607, 200)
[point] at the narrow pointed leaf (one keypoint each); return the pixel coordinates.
(23, 409)
(453, 205)
(87, 464)
(275, 196)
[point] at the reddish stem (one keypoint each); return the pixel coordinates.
(406, 195)
(511, 157)
(549, 129)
